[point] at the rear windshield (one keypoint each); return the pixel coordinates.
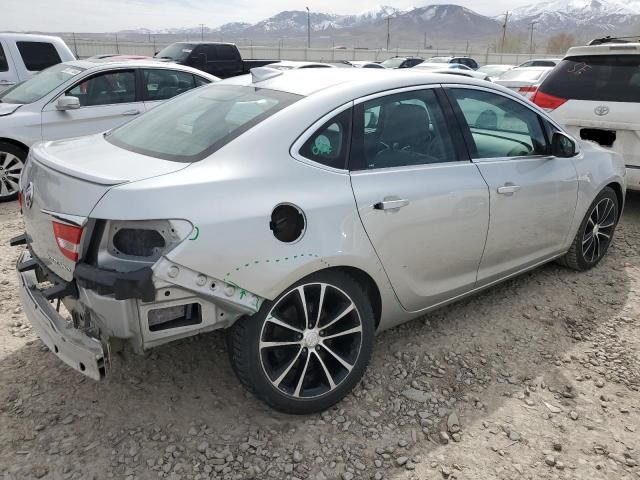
(613, 78)
(196, 124)
(40, 84)
(176, 51)
(524, 75)
(393, 62)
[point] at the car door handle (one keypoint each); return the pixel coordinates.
(508, 189)
(391, 204)
(130, 113)
(6, 82)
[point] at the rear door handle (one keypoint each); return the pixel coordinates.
(391, 204)
(130, 113)
(508, 189)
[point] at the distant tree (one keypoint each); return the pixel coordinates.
(560, 43)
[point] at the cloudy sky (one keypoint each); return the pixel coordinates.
(113, 15)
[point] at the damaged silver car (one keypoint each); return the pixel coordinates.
(303, 211)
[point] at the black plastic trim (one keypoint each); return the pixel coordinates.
(137, 284)
(19, 240)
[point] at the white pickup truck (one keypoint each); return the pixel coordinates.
(22, 55)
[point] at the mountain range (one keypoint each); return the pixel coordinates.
(439, 26)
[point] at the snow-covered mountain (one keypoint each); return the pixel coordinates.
(584, 16)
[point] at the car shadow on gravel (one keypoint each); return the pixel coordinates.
(466, 358)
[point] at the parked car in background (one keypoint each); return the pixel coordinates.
(595, 93)
(452, 68)
(292, 65)
(79, 98)
(402, 62)
(22, 55)
(334, 179)
(468, 61)
(494, 71)
(364, 64)
(540, 62)
(524, 80)
(220, 59)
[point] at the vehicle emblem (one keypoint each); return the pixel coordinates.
(28, 195)
(602, 110)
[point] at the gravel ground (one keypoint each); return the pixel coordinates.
(537, 378)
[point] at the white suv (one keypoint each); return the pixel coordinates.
(595, 93)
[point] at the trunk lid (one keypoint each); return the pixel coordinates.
(64, 180)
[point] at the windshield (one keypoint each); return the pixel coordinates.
(524, 75)
(611, 78)
(393, 62)
(40, 84)
(176, 51)
(438, 60)
(197, 124)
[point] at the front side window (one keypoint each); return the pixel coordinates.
(106, 89)
(200, 122)
(499, 126)
(41, 84)
(161, 84)
(401, 130)
(330, 143)
(38, 55)
(4, 65)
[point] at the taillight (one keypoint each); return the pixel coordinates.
(546, 101)
(528, 91)
(68, 239)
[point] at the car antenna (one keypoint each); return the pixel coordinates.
(260, 74)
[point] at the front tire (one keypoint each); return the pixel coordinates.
(306, 350)
(12, 160)
(595, 234)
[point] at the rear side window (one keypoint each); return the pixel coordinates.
(38, 55)
(4, 65)
(225, 52)
(329, 145)
(613, 78)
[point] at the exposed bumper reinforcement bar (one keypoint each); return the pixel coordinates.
(75, 348)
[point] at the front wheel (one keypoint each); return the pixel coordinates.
(595, 233)
(308, 348)
(12, 161)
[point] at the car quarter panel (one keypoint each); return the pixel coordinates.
(229, 198)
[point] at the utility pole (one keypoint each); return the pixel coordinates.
(308, 28)
(531, 48)
(425, 40)
(202, 31)
(504, 29)
(388, 32)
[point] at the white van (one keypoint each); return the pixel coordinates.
(22, 55)
(595, 93)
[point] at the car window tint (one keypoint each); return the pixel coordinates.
(329, 144)
(106, 89)
(501, 127)
(405, 129)
(200, 81)
(225, 52)
(38, 55)
(612, 78)
(159, 84)
(4, 65)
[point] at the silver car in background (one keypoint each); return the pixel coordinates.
(524, 80)
(304, 211)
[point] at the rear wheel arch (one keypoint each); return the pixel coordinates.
(617, 188)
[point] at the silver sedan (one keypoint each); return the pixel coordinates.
(303, 211)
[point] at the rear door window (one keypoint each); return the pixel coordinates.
(4, 65)
(225, 52)
(38, 55)
(613, 78)
(164, 84)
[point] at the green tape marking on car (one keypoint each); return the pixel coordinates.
(196, 234)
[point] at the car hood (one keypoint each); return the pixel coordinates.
(8, 108)
(95, 160)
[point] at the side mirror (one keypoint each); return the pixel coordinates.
(562, 146)
(68, 103)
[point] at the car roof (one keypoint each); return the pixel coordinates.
(605, 49)
(357, 81)
(107, 63)
(30, 37)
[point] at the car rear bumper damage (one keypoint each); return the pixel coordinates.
(72, 346)
(145, 307)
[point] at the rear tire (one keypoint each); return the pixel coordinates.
(595, 234)
(303, 356)
(12, 160)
